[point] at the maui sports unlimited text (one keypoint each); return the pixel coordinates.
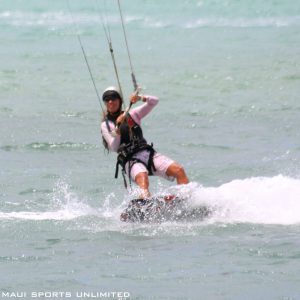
(63, 295)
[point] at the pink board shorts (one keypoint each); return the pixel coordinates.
(160, 161)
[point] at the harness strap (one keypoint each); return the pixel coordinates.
(124, 179)
(117, 169)
(151, 165)
(123, 174)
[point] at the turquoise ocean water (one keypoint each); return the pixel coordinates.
(228, 77)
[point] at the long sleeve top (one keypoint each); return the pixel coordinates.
(137, 114)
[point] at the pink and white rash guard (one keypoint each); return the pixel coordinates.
(137, 114)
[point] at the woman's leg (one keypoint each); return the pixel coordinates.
(139, 173)
(142, 181)
(177, 171)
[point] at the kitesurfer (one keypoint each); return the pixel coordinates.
(122, 133)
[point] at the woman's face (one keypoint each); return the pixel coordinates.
(113, 105)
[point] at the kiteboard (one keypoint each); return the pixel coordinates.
(163, 208)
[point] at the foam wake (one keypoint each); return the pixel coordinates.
(262, 200)
(257, 200)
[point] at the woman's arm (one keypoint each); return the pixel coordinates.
(140, 112)
(113, 141)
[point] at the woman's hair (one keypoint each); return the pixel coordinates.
(110, 117)
(104, 142)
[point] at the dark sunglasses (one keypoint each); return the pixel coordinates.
(111, 97)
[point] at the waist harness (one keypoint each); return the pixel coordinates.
(126, 153)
